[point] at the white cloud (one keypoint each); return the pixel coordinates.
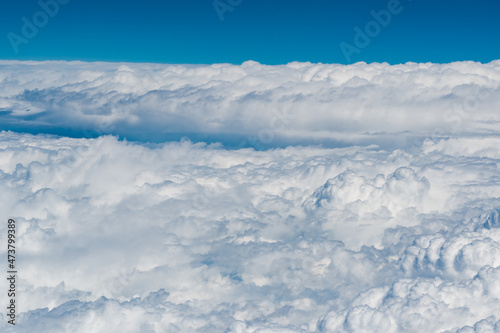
(285, 240)
(399, 232)
(253, 104)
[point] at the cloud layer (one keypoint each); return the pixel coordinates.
(368, 201)
(252, 105)
(191, 237)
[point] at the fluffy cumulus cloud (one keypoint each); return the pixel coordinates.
(252, 105)
(382, 235)
(182, 237)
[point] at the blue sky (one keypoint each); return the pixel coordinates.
(270, 32)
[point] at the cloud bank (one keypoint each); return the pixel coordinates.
(360, 198)
(252, 105)
(117, 236)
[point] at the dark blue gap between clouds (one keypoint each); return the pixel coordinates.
(227, 141)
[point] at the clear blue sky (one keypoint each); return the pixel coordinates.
(267, 31)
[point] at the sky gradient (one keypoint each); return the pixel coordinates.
(270, 32)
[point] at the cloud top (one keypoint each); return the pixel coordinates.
(252, 105)
(122, 237)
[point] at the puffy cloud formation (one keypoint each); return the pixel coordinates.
(116, 236)
(252, 105)
(378, 212)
